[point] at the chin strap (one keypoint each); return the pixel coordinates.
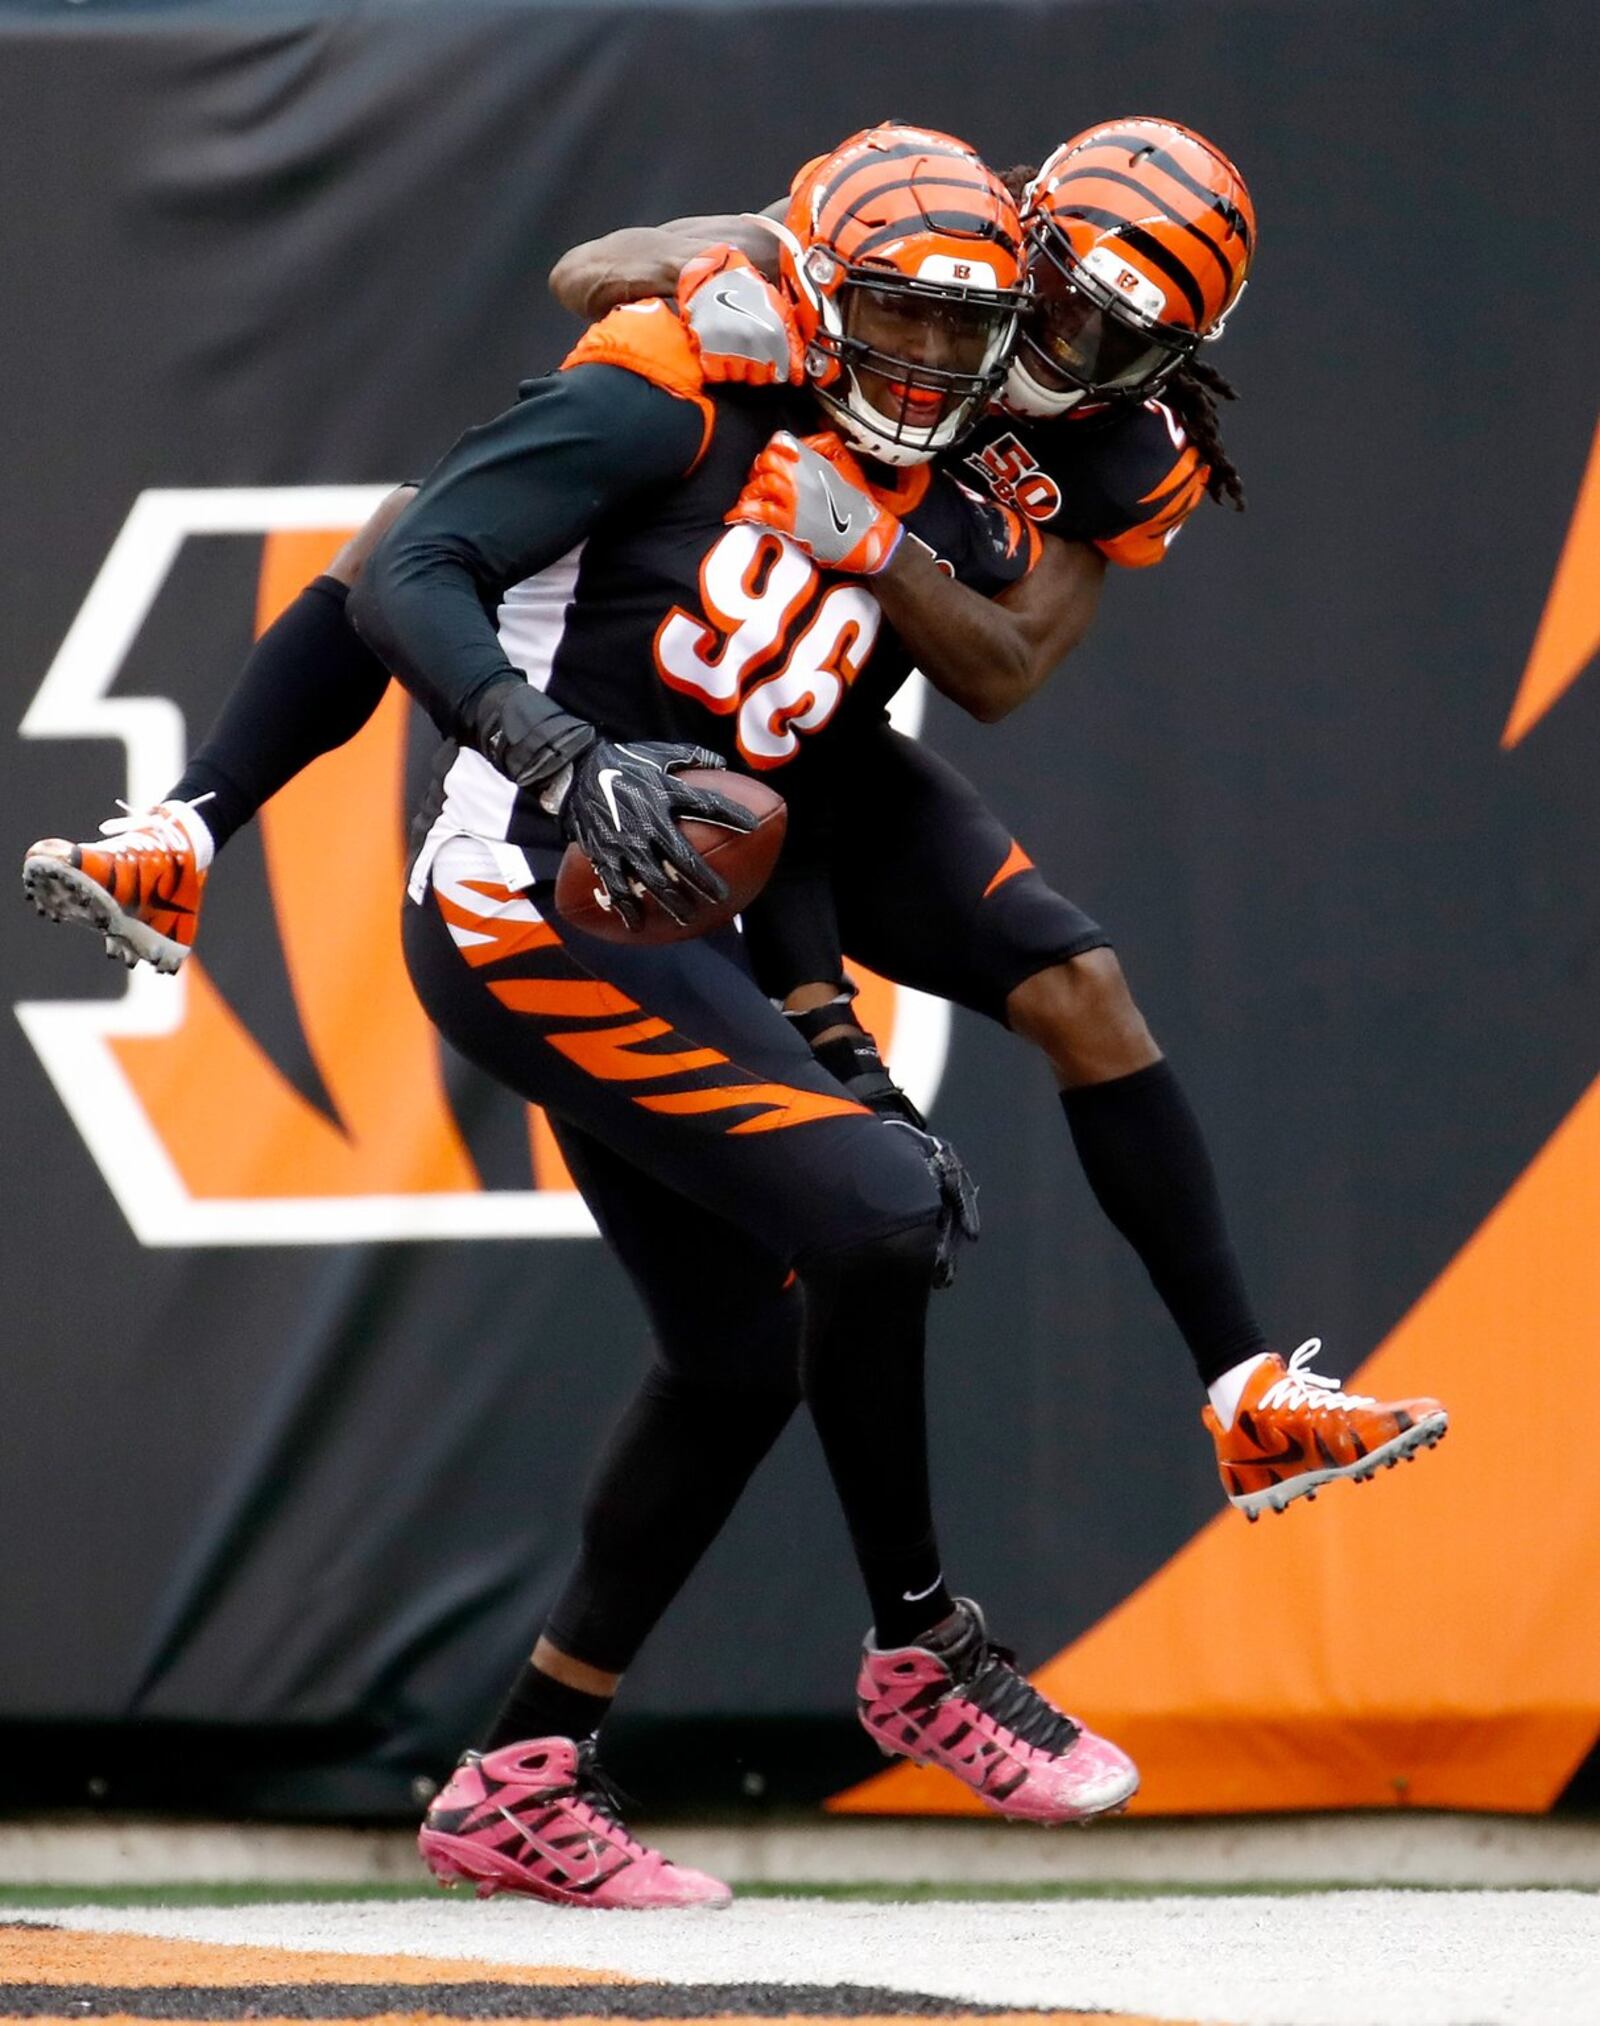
(1024, 392)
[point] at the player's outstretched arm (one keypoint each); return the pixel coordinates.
(990, 654)
(645, 260)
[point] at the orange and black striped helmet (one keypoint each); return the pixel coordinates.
(903, 252)
(1139, 237)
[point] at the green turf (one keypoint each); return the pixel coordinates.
(24, 1896)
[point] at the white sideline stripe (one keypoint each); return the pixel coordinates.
(1339, 1959)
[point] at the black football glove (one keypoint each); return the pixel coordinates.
(622, 809)
(853, 1060)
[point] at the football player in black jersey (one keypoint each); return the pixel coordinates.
(643, 620)
(1140, 236)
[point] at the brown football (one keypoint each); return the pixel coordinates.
(743, 858)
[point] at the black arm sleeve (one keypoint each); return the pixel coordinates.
(511, 498)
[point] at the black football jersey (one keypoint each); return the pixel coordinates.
(1125, 478)
(581, 541)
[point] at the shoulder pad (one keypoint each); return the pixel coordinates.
(649, 339)
(1171, 493)
(645, 338)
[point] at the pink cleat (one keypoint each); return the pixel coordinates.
(538, 1818)
(960, 1703)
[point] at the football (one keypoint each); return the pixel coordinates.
(743, 858)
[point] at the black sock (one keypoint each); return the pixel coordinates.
(863, 1373)
(903, 1612)
(308, 686)
(1146, 1161)
(539, 1706)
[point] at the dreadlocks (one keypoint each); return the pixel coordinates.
(1192, 392)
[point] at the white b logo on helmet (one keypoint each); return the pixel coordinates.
(1108, 266)
(969, 273)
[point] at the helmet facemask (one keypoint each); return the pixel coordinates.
(903, 253)
(905, 365)
(1092, 332)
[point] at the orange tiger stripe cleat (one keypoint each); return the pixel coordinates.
(1294, 1430)
(140, 889)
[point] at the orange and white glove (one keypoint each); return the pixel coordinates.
(812, 490)
(743, 329)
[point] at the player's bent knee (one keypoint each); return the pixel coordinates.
(860, 1187)
(1083, 1016)
(1078, 996)
(865, 1308)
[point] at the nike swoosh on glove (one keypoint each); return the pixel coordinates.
(622, 808)
(743, 329)
(812, 490)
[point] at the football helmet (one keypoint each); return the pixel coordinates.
(903, 254)
(1139, 237)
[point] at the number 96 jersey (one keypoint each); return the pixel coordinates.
(752, 648)
(581, 542)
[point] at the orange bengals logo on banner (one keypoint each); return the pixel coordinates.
(200, 1137)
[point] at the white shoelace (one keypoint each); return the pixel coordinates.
(163, 829)
(1301, 1387)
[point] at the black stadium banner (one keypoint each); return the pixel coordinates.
(309, 1341)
